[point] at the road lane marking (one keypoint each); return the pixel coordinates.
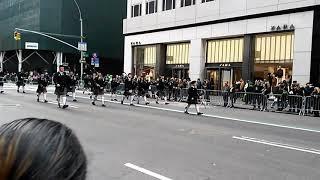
(145, 171)
(219, 117)
(10, 105)
(275, 144)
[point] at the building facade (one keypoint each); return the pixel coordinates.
(60, 19)
(223, 40)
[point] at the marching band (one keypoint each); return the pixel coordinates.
(133, 89)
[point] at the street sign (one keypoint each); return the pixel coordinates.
(82, 46)
(95, 61)
(32, 45)
(85, 55)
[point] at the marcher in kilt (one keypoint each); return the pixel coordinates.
(162, 90)
(72, 85)
(143, 88)
(21, 76)
(193, 97)
(60, 80)
(98, 89)
(1, 82)
(114, 86)
(128, 89)
(43, 82)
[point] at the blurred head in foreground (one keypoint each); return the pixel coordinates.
(40, 149)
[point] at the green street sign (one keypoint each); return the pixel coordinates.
(86, 55)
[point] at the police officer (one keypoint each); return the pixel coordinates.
(60, 80)
(20, 81)
(193, 98)
(128, 89)
(43, 82)
(1, 82)
(98, 89)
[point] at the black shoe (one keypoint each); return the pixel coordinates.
(166, 103)
(115, 99)
(121, 102)
(65, 106)
(157, 102)
(18, 91)
(103, 105)
(93, 103)
(90, 97)
(131, 104)
(147, 103)
(74, 100)
(45, 101)
(1, 92)
(186, 112)
(23, 92)
(38, 100)
(199, 113)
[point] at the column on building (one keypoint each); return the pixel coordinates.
(302, 55)
(161, 60)
(197, 59)
(129, 9)
(248, 58)
(143, 8)
(128, 56)
(160, 4)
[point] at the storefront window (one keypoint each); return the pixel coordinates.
(145, 61)
(178, 53)
(274, 52)
(225, 51)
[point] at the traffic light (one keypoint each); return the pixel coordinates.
(17, 36)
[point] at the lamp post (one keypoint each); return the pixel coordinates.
(81, 36)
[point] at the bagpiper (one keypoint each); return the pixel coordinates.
(43, 83)
(60, 80)
(1, 82)
(143, 88)
(193, 97)
(128, 89)
(114, 86)
(21, 81)
(72, 85)
(98, 89)
(162, 91)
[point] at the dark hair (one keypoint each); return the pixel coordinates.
(36, 149)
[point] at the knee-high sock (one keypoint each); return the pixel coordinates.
(131, 99)
(145, 99)
(22, 88)
(74, 95)
(197, 108)
(45, 96)
(64, 100)
(165, 99)
(102, 99)
(1, 88)
(187, 107)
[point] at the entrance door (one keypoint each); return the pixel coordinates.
(180, 73)
(219, 77)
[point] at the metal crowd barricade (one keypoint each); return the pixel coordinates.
(312, 105)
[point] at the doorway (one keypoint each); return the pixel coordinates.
(220, 76)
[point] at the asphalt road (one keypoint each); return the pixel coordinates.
(160, 142)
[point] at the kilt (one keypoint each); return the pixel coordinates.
(72, 89)
(60, 91)
(41, 90)
(98, 91)
(128, 93)
(142, 92)
(1, 83)
(192, 100)
(20, 83)
(162, 93)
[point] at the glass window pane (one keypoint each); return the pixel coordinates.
(241, 50)
(283, 47)
(228, 52)
(273, 48)
(277, 47)
(236, 50)
(268, 51)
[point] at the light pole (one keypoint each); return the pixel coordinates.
(81, 36)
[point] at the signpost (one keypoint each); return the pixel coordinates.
(82, 46)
